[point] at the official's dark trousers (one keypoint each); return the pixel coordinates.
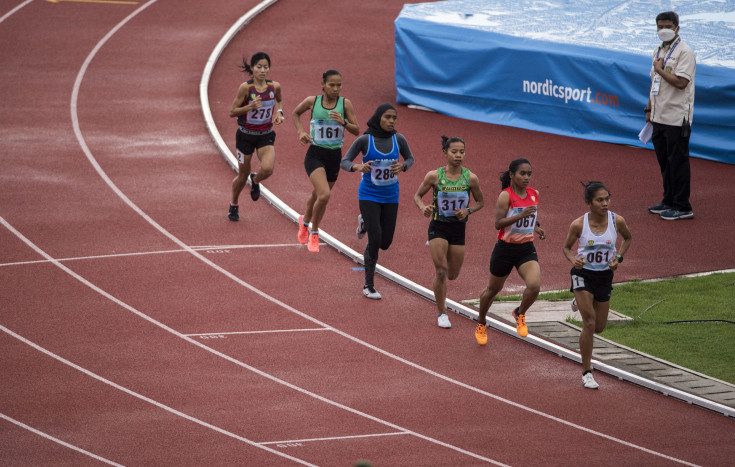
(672, 152)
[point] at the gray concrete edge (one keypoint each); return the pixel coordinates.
(398, 279)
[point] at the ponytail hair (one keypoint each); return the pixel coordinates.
(328, 73)
(447, 141)
(590, 188)
(505, 176)
(258, 56)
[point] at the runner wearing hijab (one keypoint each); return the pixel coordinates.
(378, 192)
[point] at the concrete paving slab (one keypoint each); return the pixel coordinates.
(549, 320)
(544, 311)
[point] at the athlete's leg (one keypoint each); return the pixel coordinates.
(494, 286)
(455, 258)
(310, 206)
(530, 272)
(439, 248)
(267, 158)
(370, 211)
(243, 172)
(388, 217)
(320, 196)
(586, 305)
(310, 167)
(602, 309)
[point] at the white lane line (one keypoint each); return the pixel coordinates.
(235, 247)
(234, 333)
(14, 10)
(232, 359)
(176, 240)
(336, 438)
(57, 440)
(147, 399)
(159, 252)
(347, 336)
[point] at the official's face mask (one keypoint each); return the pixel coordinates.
(666, 34)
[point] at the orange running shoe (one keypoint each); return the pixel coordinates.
(520, 323)
(303, 235)
(313, 245)
(481, 334)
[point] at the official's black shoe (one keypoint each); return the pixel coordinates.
(673, 215)
(659, 208)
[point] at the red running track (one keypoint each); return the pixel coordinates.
(142, 327)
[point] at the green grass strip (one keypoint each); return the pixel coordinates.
(689, 321)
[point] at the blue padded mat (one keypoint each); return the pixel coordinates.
(576, 68)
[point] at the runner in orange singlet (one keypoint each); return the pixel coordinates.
(516, 218)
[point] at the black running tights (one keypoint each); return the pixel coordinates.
(380, 224)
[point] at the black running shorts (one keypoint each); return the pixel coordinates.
(506, 256)
(452, 232)
(246, 144)
(329, 159)
(598, 283)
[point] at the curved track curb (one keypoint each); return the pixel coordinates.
(452, 305)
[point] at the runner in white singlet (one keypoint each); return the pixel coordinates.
(593, 263)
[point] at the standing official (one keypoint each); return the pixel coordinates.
(670, 107)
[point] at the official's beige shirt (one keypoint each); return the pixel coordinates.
(671, 105)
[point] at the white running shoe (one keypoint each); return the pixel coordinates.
(370, 292)
(360, 231)
(575, 308)
(443, 321)
(589, 381)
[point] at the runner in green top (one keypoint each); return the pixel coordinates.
(451, 195)
(331, 115)
(452, 186)
(324, 131)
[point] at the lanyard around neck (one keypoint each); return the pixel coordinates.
(671, 50)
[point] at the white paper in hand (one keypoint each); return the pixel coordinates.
(646, 132)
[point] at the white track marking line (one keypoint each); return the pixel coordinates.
(336, 438)
(159, 252)
(134, 207)
(232, 359)
(146, 399)
(234, 333)
(224, 356)
(14, 10)
(57, 440)
(347, 336)
(235, 247)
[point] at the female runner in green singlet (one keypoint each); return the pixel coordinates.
(449, 211)
(331, 115)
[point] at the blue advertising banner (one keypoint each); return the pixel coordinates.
(464, 69)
